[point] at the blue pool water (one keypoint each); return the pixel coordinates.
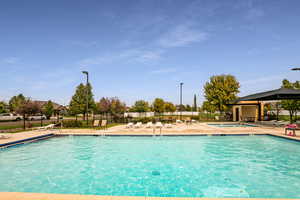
(189, 166)
(232, 125)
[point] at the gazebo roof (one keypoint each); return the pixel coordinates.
(279, 94)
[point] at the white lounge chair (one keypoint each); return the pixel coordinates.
(149, 125)
(138, 125)
(168, 125)
(158, 125)
(50, 126)
(129, 125)
(178, 121)
(4, 136)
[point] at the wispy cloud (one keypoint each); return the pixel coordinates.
(164, 70)
(254, 13)
(182, 35)
(128, 55)
(10, 60)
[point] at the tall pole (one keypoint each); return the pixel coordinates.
(87, 96)
(181, 101)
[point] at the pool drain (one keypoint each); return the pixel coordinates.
(155, 173)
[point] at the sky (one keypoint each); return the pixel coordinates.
(143, 49)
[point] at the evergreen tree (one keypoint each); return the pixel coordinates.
(195, 103)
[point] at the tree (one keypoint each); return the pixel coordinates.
(3, 107)
(27, 108)
(195, 103)
(158, 105)
(140, 106)
(221, 90)
(208, 107)
(15, 102)
(116, 106)
(188, 108)
(79, 99)
(291, 105)
(170, 107)
(48, 109)
(103, 105)
(277, 107)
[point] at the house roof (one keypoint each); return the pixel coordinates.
(278, 94)
(56, 106)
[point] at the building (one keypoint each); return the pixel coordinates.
(249, 111)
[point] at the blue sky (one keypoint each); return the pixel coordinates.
(144, 49)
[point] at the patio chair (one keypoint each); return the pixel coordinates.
(138, 125)
(149, 125)
(4, 136)
(50, 126)
(168, 125)
(96, 123)
(292, 128)
(158, 125)
(104, 123)
(129, 125)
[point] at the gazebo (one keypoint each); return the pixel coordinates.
(249, 108)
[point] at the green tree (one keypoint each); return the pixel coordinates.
(15, 102)
(79, 100)
(3, 107)
(291, 105)
(195, 103)
(158, 105)
(48, 109)
(140, 106)
(208, 107)
(188, 108)
(221, 90)
(170, 107)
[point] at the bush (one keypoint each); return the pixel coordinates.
(72, 124)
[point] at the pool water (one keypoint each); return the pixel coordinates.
(232, 125)
(188, 166)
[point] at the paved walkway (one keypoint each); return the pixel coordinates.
(40, 196)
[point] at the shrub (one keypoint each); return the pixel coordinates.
(73, 124)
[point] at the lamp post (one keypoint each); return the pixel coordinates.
(181, 84)
(295, 69)
(87, 96)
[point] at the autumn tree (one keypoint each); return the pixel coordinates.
(170, 107)
(158, 105)
(221, 90)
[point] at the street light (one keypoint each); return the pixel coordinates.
(87, 96)
(295, 69)
(181, 84)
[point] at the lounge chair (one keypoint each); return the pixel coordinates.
(178, 121)
(149, 125)
(158, 125)
(50, 126)
(4, 136)
(104, 123)
(168, 125)
(138, 125)
(96, 123)
(129, 125)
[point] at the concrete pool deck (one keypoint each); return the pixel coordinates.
(178, 129)
(42, 196)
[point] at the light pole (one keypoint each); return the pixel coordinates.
(87, 96)
(295, 69)
(181, 84)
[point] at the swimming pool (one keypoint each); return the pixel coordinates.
(232, 125)
(187, 166)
